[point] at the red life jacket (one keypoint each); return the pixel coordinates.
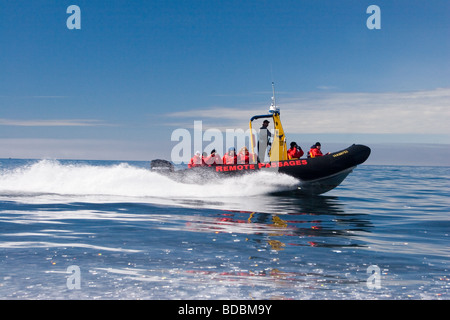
(244, 158)
(294, 153)
(196, 161)
(228, 159)
(212, 160)
(314, 152)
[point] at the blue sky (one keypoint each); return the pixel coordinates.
(137, 70)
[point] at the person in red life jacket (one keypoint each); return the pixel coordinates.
(315, 151)
(196, 161)
(295, 152)
(213, 159)
(243, 156)
(230, 157)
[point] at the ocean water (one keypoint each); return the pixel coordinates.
(115, 230)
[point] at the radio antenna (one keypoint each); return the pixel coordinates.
(273, 86)
(274, 103)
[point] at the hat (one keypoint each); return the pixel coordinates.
(197, 152)
(266, 121)
(317, 144)
(232, 149)
(293, 144)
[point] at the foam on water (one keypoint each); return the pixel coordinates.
(54, 177)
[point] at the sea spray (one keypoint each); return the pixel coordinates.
(123, 179)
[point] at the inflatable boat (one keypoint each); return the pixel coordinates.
(315, 175)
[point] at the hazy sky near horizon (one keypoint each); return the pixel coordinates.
(137, 70)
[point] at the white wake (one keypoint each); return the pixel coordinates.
(55, 177)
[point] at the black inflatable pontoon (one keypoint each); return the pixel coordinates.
(316, 175)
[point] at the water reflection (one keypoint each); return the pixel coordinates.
(308, 221)
(270, 250)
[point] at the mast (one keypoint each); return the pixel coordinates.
(274, 103)
(273, 107)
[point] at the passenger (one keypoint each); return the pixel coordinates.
(263, 141)
(315, 151)
(295, 152)
(243, 156)
(230, 157)
(196, 161)
(213, 159)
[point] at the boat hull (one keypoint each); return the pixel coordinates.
(316, 175)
